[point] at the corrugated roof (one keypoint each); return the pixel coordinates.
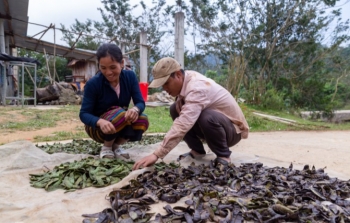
(67, 52)
(18, 9)
(15, 13)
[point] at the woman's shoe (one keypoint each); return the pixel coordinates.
(107, 154)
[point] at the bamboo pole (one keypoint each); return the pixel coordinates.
(47, 65)
(54, 54)
(30, 75)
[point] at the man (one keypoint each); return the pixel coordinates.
(203, 110)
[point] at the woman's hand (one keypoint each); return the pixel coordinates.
(106, 126)
(132, 114)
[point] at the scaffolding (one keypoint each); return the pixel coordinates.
(21, 70)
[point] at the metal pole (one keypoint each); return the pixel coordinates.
(34, 85)
(2, 50)
(4, 85)
(7, 45)
(22, 84)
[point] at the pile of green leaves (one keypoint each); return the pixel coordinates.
(77, 146)
(88, 172)
(81, 146)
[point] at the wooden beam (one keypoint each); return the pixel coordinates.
(40, 32)
(42, 36)
(30, 74)
(73, 46)
(58, 46)
(54, 54)
(9, 34)
(48, 68)
(9, 24)
(5, 16)
(132, 51)
(115, 38)
(140, 44)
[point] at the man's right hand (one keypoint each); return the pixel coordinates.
(106, 126)
(145, 162)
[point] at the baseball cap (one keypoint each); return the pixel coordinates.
(162, 70)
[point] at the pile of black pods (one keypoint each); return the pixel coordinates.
(218, 193)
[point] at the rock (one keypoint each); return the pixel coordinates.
(160, 97)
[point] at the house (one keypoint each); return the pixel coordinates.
(83, 70)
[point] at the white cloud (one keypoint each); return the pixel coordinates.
(65, 12)
(58, 12)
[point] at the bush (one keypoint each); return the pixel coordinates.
(218, 78)
(272, 100)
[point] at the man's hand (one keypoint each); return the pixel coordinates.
(145, 162)
(106, 126)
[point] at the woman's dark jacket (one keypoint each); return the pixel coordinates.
(99, 96)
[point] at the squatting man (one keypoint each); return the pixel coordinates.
(203, 111)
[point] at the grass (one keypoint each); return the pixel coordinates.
(61, 135)
(260, 124)
(347, 107)
(159, 119)
(14, 119)
(17, 119)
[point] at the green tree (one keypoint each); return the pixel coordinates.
(265, 43)
(122, 26)
(82, 35)
(339, 77)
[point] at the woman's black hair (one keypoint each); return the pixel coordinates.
(109, 49)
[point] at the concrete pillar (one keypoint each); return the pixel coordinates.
(179, 38)
(125, 57)
(15, 68)
(14, 52)
(122, 48)
(143, 57)
(2, 36)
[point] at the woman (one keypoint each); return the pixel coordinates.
(105, 108)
